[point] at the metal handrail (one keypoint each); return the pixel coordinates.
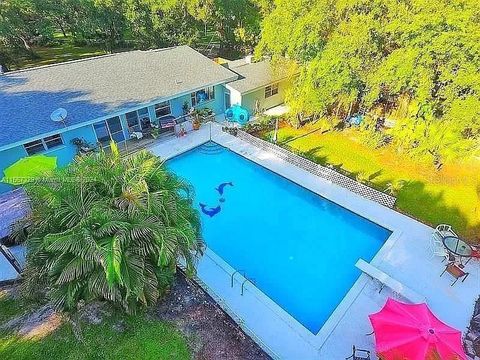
(233, 275)
(252, 281)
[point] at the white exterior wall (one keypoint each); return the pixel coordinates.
(235, 97)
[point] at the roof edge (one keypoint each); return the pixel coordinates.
(258, 87)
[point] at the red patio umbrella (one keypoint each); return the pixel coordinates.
(413, 332)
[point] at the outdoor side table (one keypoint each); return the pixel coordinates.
(457, 246)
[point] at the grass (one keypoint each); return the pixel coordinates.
(140, 338)
(62, 50)
(10, 308)
(446, 196)
(47, 55)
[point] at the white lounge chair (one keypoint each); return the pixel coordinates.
(390, 282)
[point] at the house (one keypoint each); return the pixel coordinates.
(105, 98)
(259, 86)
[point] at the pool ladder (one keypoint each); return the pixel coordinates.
(246, 279)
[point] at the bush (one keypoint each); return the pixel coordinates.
(110, 228)
(261, 124)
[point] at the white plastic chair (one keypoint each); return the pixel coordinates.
(438, 249)
(445, 230)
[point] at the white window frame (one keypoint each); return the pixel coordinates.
(210, 90)
(43, 143)
(166, 104)
(49, 141)
(138, 118)
(107, 126)
(271, 90)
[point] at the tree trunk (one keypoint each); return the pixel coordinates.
(349, 111)
(62, 29)
(27, 47)
(337, 110)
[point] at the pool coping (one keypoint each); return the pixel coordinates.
(302, 178)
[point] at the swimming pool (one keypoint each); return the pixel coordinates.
(299, 248)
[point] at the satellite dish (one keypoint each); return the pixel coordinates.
(59, 115)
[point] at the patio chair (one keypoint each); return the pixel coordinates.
(475, 254)
(134, 134)
(444, 230)
(453, 269)
(358, 354)
(438, 249)
(167, 122)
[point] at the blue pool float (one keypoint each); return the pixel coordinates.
(356, 120)
(238, 114)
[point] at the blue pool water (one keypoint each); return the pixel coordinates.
(300, 248)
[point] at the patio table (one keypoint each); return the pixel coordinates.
(457, 246)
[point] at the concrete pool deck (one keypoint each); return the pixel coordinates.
(405, 256)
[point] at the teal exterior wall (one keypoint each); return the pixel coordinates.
(7, 158)
(66, 152)
(218, 104)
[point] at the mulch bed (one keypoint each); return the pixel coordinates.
(211, 332)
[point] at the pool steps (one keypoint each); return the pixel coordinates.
(211, 148)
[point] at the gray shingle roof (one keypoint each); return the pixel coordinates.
(254, 75)
(96, 87)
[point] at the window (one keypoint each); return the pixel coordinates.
(132, 121)
(116, 130)
(34, 147)
(40, 145)
(162, 109)
(138, 120)
(53, 141)
(110, 129)
(203, 95)
(271, 90)
(101, 131)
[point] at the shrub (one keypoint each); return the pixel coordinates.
(110, 228)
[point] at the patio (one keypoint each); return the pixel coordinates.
(406, 257)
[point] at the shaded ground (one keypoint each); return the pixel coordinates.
(212, 333)
(97, 331)
(186, 324)
(47, 55)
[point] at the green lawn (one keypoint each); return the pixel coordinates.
(140, 338)
(63, 50)
(446, 196)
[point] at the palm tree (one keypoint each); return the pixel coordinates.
(110, 228)
(394, 187)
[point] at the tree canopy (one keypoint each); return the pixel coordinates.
(382, 55)
(232, 25)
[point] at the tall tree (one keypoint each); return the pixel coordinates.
(359, 55)
(22, 23)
